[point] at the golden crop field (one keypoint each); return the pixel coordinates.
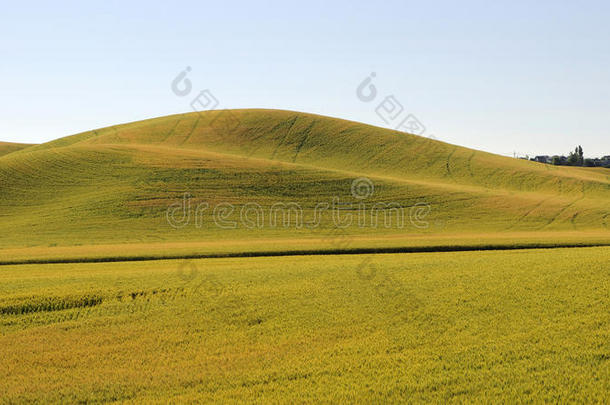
(500, 326)
(281, 257)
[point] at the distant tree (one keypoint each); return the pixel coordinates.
(581, 156)
(573, 158)
(589, 163)
(556, 160)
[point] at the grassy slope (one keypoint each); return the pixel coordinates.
(493, 327)
(113, 185)
(10, 147)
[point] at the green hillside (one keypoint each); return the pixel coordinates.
(114, 185)
(10, 147)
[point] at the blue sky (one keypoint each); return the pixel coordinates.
(530, 77)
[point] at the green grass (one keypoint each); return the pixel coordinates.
(113, 185)
(518, 326)
(10, 147)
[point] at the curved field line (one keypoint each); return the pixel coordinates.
(469, 163)
(573, 219)
(564, 209)
(521, 218)
(192, 130)
(300, 145)
(171, 131)
(281, 142)
(448, 163)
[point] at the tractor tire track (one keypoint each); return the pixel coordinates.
(171, 131)
(284, 137)
(521, 218)
(448, 163)
(469, 163)
(564, 209)
(192, 129)
(300, 146)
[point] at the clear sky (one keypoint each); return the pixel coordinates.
(524, 76)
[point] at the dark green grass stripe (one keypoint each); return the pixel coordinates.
(312, 252)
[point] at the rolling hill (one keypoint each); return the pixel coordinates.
(10, 147)
(107, 192)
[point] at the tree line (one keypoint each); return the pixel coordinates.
(574, 158)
